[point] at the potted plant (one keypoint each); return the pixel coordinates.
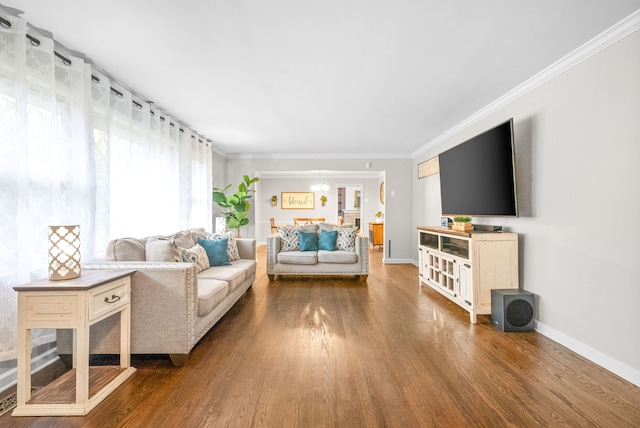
(378, 216)
(462, 223)
(236, 206)
(274, 200)
(323, 200)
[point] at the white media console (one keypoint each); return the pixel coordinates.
(466, 266)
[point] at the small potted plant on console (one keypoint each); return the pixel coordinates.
(462, 223)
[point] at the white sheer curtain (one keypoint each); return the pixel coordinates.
(78, 148)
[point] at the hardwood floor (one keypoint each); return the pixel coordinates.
(337, 352)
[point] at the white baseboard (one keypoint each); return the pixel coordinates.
(39, 362)
(397, 261)
(623, 370)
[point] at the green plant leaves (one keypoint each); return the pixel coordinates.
(236, 207)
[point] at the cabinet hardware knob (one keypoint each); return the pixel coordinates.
(113, 299)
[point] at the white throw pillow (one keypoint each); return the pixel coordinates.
(196, 254)
(162, 250)
(289, 238)
(347, 238)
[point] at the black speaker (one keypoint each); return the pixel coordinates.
(512, 309)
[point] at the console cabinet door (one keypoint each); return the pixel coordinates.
(441, 272)
(422, 266)
(495, 265)
(432, 268)
(465, 284)
(448, 268)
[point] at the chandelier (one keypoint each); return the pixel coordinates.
(320, 186)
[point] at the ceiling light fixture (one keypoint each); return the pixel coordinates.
(320, 186)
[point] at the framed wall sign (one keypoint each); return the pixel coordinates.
(429, 167)
(297, 200)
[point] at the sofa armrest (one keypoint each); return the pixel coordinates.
(273, 248)
(164, 298)
(362, 249)
(247, 248)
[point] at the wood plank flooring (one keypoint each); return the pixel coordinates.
(335, 352)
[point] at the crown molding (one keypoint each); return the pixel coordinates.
(279, 156)
(603, 40)
(323, 174)
(219, 151)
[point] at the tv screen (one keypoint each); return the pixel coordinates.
(477, 177)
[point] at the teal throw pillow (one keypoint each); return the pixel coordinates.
(216, 251)
(308, 241)
(327, 240)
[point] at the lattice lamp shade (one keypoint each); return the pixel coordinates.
(64, 252)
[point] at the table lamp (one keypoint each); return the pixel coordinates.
(64, 252)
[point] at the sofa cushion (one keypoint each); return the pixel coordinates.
(346, 238)
(309, 228)
(298, 257)
(248, 265)
(197, 255)
(126, 249)
(337, 256)
(327, 240)
(328, 226)
(232, 245)
(183, 239)
(210, 293)
(289, 238)
(308, 241)
(216, 251)
(162, 250)
(196, 233)
(233, 276)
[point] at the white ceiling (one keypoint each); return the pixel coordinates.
(376, 78)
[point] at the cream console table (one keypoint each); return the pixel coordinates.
(73, 304)
(466, 266)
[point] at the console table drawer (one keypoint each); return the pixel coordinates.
(51, 307)
(108, 298)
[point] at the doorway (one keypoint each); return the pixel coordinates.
(349, 197)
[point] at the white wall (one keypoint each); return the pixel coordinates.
(270, 186)
(398, 174)
(578, 181)
(219, 180)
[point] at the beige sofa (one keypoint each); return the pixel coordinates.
(285, 256)
(172, 304)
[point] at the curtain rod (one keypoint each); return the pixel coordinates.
(66, 61)
(137, 104)
(35, 42)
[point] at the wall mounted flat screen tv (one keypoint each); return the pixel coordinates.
(477, 177)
